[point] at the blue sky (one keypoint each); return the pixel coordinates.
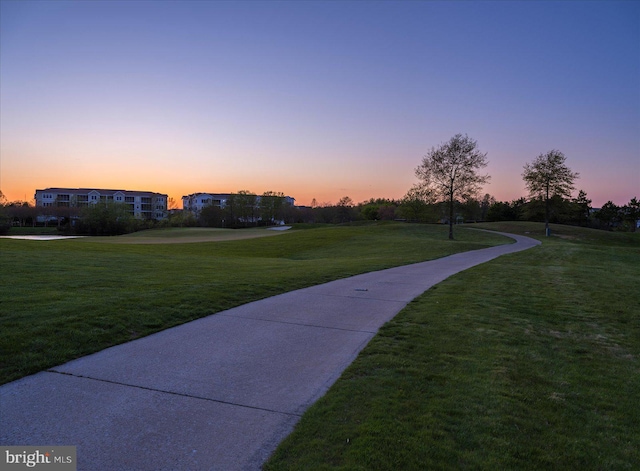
(315, 99)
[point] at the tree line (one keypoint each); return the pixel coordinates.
(110, 219)
(572, 211)
(415, 208)
(449, 183)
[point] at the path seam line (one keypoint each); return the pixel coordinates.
(278, 321)
(174, 393)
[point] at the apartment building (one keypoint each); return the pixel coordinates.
(142, 204)
(196, 201)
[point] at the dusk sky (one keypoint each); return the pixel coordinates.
(314, 99)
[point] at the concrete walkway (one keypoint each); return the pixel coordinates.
(221, 392)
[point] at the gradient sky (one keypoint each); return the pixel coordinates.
(314, 99)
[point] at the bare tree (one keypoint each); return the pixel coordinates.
(345, 201)
(344, 209)
(172, 204)
(547, 177)
(450, 172)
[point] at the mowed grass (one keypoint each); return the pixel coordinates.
(188, 235)
(530, 361)
(63, 299)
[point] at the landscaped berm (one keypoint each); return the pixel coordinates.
(530, 361)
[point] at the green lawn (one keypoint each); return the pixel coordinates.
(530, 361)
(63, 299)
(28, 230)
(188, 235)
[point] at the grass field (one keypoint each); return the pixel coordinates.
(27, 230)
(63, 299)
(188, 235)
(530, 361)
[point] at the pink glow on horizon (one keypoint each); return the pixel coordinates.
(304, 194)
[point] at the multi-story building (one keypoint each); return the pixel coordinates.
(195, 202)
(142, 204)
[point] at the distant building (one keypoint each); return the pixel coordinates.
(142, 204)
(195, 202)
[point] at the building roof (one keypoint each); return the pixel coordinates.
(195, 195)
(102, 191)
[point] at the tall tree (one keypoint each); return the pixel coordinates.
(548, 176)
(5, 221)
(246, 206)
(211, 216)
(450, 172)
(271, 205)
(632, 213)
(583, 208)
(344, 211)
(485, 204)
(609, 215)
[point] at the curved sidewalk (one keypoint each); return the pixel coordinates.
(221, 392)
